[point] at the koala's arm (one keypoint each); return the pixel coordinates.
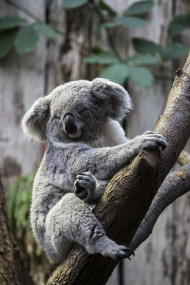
(104, 162)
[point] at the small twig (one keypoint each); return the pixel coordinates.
(24, 10)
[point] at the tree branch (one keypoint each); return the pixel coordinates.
(130, 193)
(175, 185)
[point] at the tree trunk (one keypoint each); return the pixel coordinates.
(9, 258)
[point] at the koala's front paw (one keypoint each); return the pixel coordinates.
(152, 141)
(85, 185)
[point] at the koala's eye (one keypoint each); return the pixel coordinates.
(82, 110)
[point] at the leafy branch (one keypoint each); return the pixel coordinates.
(16, 33)
(148, 53)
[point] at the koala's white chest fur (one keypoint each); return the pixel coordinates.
(113, 135)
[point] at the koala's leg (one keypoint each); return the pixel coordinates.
(72, 220)
(88, 188)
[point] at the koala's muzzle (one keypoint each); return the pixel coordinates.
(70, 125)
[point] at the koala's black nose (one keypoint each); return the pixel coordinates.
(69, 121)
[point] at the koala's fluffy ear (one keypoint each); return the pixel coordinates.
(34, 121)
(115, 96)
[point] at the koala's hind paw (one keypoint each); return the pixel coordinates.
(85, 185)
(114, 250)
(123, 252)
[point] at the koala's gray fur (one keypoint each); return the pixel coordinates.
(86, 147)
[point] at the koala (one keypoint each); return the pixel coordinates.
(86, 147)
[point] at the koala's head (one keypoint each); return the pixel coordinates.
(76, 111)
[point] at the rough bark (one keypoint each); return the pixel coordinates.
(9, 259)
(129, 194)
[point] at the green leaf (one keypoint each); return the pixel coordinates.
(70, 4)
(26, 40)
(45, 30)
(126, 22)
(106, 7)
(10, 22)
(139, 8)
(174, 51)
(146, 46)
(108, 25)
(102, 58)
(133, 22)
(178, 24)
(140, 76)
(143, 59)
(117, 72)
(7, 39)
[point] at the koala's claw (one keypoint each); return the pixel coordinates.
(114, 250)
(129, 250)
(124, 252)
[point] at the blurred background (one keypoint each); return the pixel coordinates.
(46, 43)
